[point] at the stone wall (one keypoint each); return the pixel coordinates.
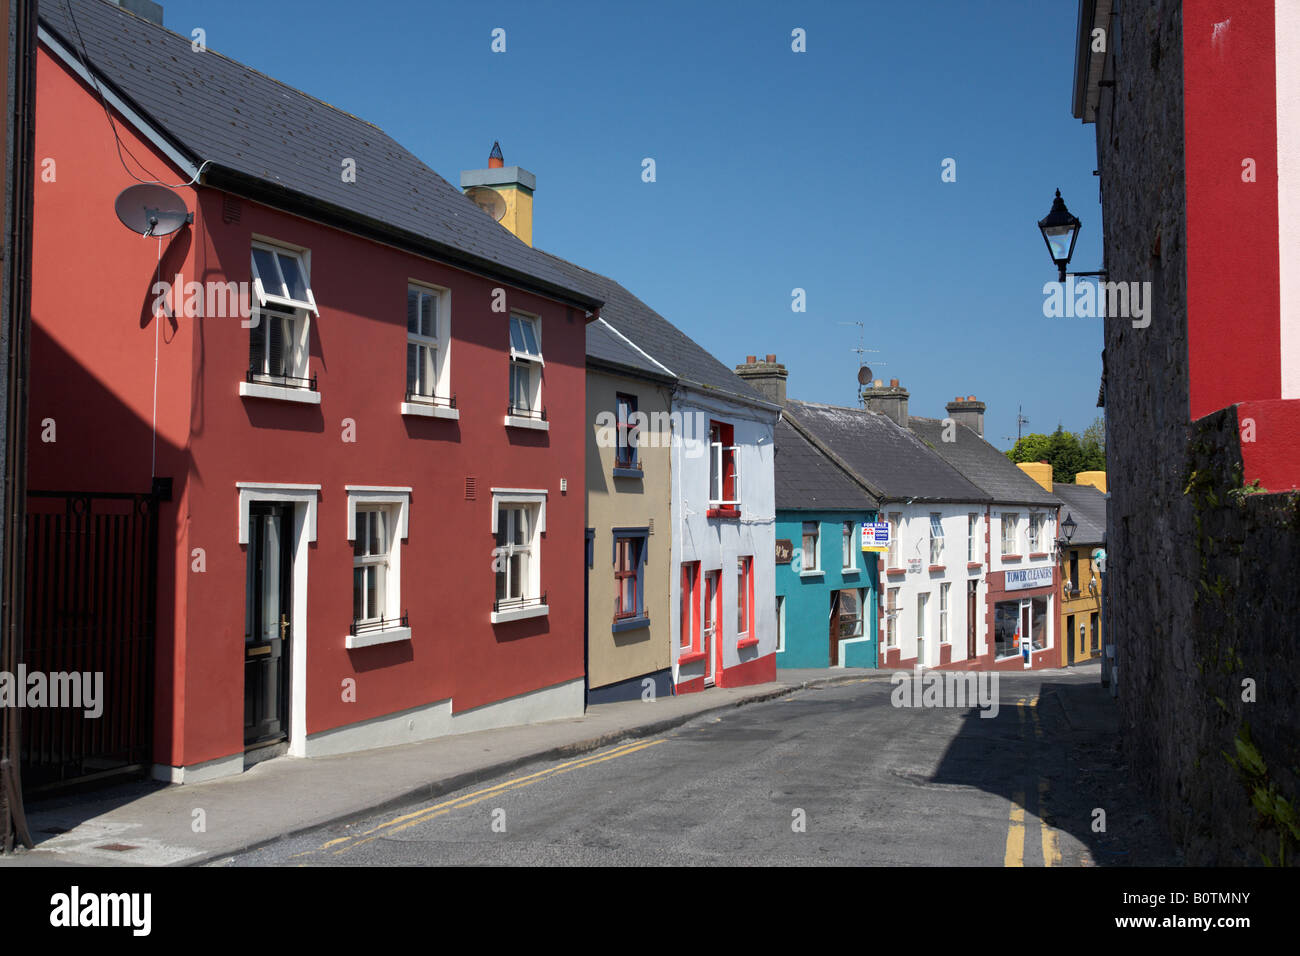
(1201, 582)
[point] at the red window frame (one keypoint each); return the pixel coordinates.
(689, 639)
(625, 453)
(745, 637)
(625, 568)
(721, 433)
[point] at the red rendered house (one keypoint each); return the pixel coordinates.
(368, 538)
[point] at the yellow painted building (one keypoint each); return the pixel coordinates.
(1084, 502)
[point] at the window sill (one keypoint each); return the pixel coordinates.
(520, 613)
(629, 624)
(282, 393)
(536, 424)
(745, 642)
(814, 573)
(691, 658)
(850, 572)
(430, 411)
(937, 568)
(723, 511)
(1039, 554)
(1012, 557)
(896, 570)
(388, 635)
(628, 473)
(973, 565)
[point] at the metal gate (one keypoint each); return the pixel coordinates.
(91, 585)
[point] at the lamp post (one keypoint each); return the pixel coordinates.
(1060, 229)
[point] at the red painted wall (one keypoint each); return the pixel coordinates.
(91, 277)
(1229, 114)
(93, 345)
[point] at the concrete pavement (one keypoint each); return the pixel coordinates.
(152, 824)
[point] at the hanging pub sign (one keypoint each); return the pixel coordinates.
(784, 550)
(875, 536)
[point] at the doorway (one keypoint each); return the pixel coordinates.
(709, 628)
(1069, 638)
(835, 629)
(268, 603)
(972, 594)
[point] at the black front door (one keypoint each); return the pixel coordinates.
(267, 624)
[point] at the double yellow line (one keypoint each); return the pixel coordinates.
(405, 821)
(1015, 851)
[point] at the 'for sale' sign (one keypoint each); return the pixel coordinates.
(875, 536)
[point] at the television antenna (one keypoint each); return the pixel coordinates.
(864, 370)
(1021, 420)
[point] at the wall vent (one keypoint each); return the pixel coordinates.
(471, 489)
(231, 209)
(652, 526)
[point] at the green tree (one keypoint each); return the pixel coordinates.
(1065, 451)
(1093, 443)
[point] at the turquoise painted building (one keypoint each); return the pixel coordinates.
(826, 586)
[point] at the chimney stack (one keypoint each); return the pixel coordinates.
(513, 184)
(767, 377)
(889, 400)
(969, 412)
(143, 8)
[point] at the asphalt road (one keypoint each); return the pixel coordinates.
(827, 776)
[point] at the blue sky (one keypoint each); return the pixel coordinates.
(775, 170)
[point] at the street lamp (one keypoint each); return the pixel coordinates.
(1068, 527)
(1060, 229)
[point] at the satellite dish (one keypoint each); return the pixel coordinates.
(151, 210)
(864, 375)
(489, 200)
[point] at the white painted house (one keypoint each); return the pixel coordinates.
(724, 535)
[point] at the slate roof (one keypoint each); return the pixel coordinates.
(894, 463)
(668, 346)
(807, 480)
(275, 144)
(607, 348)
(981, 463)
(1087, 505)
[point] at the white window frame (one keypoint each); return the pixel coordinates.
(396, 502)
(435, 404)
(1037, 524)
(891, 619)
(922, 612)
(303, 258)
(811, 563)
(297, 338)
(895, 520)
(533, 499)
(944, 631)
(1010, 530)
(718, 472)
(848, 534)
(780, 623)
(936, 539)
(533, 363)
(972, 530)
